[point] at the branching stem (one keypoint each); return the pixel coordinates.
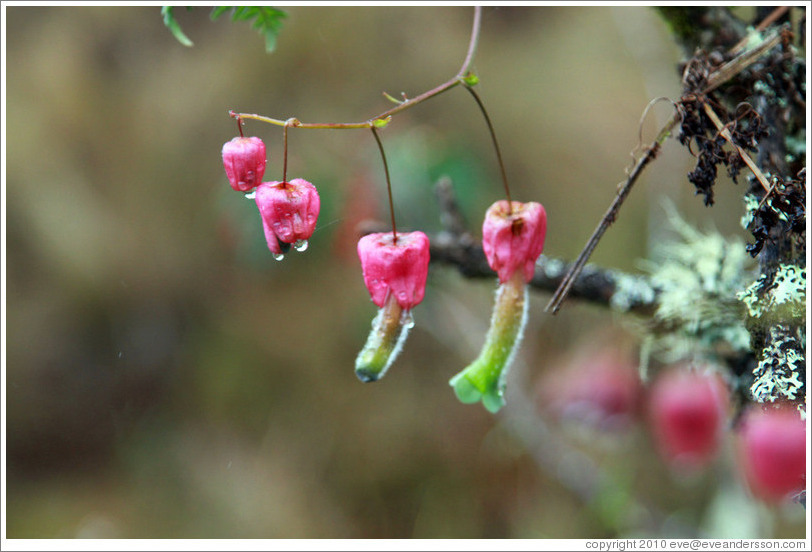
(715, 79)
(382, 119)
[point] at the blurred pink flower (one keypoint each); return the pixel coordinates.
(772, 452)
(688, 411)
(602, 391)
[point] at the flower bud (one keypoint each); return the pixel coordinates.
(772, 452)
(395, 274)
(394, 267)
(244, 161)
(688, 413)
(514, 240)
(289, 211)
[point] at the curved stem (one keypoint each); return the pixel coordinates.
(495, 145)
(388, 184)
(382, 119)
(239, 126)
(472, 44)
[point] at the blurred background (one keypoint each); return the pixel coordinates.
(166, 378)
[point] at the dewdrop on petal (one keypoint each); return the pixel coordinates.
(395, 273)
(289, 212)
(512, 238)
(244, 162)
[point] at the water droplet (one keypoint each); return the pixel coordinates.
(300, 245)
(251, 195)
(278, 256)
(311, 218)
(407, 320)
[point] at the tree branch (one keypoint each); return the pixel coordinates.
(456, 246)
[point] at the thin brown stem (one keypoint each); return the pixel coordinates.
(716, 79)
(608, 218)
(239, 126)
(382, 119)
(285, 153)
(495, 145)
(741, 62)
(725, 133)
(388, 184)
(774, 16)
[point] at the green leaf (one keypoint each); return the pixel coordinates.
(172, 24)
(218, 11)
(265, 20)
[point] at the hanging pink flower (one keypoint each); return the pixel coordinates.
(688, 413)
(289, 212)
(772, 452)
(514, 240)
(244, 161)
(399, 268)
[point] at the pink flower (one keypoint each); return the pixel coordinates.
(289, 212)
(398, 268)
(688, 413)
(244, 161)
(514, 240)
(772, 452)
(601, 390)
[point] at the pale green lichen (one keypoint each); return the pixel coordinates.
(781, 298)
(697, 277)
(630, 291)
(781, 371)
(750, 205)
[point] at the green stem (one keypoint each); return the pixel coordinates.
(484, 379)
(389, 330)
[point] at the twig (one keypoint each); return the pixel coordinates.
(723, 130)
(608, 218)
(456, 246)
(382, 119)
(741, 62)
(774, 16)
(715, 79)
